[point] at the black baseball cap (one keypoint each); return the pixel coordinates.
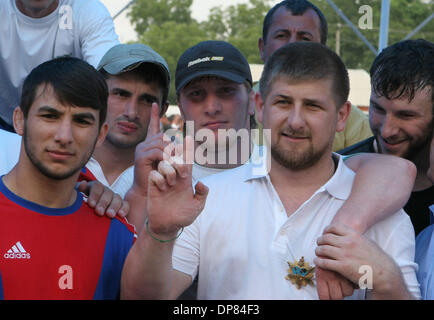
(212, 58)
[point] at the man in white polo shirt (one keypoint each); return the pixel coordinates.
(255, 223)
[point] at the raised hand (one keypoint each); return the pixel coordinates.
(149, 153)
(172, 202)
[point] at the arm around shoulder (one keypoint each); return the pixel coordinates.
(368, 202)
(344, 251)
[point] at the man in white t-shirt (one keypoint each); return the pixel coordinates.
(254, 224)
(137, 78)
(33, 32)
(10, 150)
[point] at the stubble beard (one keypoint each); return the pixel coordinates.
(43, 169)
(122, 144)
(296, 160)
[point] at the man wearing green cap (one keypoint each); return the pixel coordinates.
(137, 77)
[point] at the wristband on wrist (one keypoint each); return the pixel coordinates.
(154, 237)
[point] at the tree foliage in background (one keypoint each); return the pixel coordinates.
(168, 27)
(147, 13)
(404, 17)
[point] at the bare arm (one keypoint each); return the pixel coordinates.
(368, 202)
(148, 272)
(171, 205)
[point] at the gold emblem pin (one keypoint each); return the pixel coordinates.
(300, 273)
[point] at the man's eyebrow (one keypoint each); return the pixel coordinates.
(48, 109)
(84, 115)
(119, 90)
(148, 96)
(282, 96)
(305, 32)
(281, 30)
(313, 101)
(375, 104)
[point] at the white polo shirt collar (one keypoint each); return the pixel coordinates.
(338, 186)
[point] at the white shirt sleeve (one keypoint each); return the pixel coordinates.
(10, 150)
(186, 253)
(400, 246)
(97, 32)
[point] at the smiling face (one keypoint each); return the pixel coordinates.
(58, 139)
(402, 128)
(303, 119)
(129, 109)
(287, 28)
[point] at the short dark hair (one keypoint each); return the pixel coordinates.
(301, 61)
(148, 72)
(403, 68)
(297, 8)
(74, 82)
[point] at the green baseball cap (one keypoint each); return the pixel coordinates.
(126, 57)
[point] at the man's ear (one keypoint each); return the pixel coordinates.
(259, 102)
(18, 121)
(181, 111)
(261, 48)
(343, 113)
(102, 134)
(184, 122)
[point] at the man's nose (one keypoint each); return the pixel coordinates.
(212, 104)
(64, 132)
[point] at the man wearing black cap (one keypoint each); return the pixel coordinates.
(137, 77)
(214, 89)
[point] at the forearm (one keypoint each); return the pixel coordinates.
(392, 289)
(381, 187)
(148, 272)
(400, 294)
(137, 214)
